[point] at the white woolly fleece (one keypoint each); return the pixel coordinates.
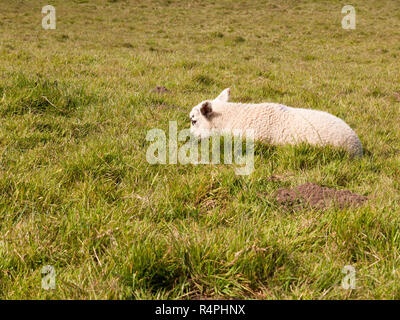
(274, 123)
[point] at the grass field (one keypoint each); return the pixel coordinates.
(77, 193)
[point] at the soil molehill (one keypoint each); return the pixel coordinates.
(318, 197)
(160, 90)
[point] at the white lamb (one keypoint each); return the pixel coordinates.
(273, 123)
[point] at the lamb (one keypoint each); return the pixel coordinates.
(273, 123)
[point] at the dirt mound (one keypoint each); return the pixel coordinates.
(318, 197)
(160, 90)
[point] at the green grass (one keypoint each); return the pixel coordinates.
(76, 191)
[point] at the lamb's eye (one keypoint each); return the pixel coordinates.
(194, 122)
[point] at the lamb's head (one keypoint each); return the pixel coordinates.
(201, 115)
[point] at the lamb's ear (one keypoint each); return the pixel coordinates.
(206, 109)
(224, 95)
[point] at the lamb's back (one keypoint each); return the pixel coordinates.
(322, 128)
(279, 124)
